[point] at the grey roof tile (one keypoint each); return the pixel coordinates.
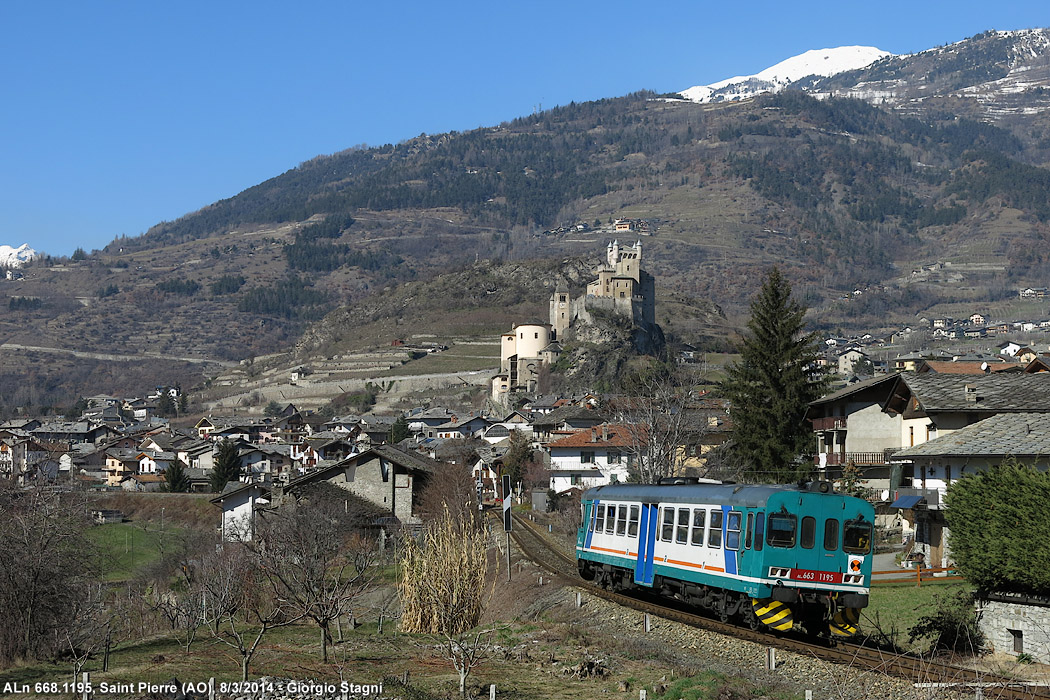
(1017, 434)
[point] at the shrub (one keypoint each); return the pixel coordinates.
(951, 626)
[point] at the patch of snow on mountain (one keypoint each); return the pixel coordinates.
(16, 257)
(822, 62)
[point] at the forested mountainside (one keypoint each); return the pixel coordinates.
(842, 193)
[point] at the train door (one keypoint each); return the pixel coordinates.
(643, 568)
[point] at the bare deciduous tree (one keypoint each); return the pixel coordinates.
(655, 417)
(242, 606)
(443, 589)
(317, 559)
(46, 570)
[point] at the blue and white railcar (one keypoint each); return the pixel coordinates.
(774, 555)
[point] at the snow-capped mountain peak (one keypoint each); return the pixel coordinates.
(16, 257)
(820, 62)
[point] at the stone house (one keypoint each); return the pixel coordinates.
(383, 475)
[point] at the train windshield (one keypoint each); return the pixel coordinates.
(781, 529)
(856, 536)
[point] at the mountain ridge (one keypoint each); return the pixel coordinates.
(815, 62)
(844, 195)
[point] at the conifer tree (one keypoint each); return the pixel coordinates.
(771, 385)
(398, 431)
(227, 466)
(175, 479)
(999, 522)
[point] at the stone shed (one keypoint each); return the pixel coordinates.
(1016, 624)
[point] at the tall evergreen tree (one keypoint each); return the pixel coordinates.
(227, 466)
(175, 478)
(771, 385)
(1000, 522)
(399, 431)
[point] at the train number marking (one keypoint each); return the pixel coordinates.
(816, 576)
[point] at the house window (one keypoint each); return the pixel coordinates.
(537, 335)
(1018, 639)
(614, 457)
(587, 457)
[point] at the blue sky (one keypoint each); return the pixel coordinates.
(118, 115)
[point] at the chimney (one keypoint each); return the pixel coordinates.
(594, 434)
(971, 392)
(605, 432)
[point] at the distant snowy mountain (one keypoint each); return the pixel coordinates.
(16, 257)
(822, 62)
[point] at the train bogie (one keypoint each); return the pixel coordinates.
(771, 555)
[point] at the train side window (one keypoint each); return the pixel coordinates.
(667, 525)
(699, 518)
(621, 521)
(782, 530)
(760, 527)
(682, 533)
(610, 520)
(599, 519)
(809, 532)
(714, 533)
(831, 534)
(632, 524)
(749, 529)
(856, 536)
(733, 530)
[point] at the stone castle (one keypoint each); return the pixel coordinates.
(622, 288)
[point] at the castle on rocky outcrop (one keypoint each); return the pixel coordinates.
(622, 288)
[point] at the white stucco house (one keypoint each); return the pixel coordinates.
(590, 457)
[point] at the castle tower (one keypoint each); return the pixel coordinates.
(561, 312)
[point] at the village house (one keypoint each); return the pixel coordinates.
(933, 466)
(866, 423)
(594, 457)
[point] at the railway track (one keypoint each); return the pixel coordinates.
(538, 548)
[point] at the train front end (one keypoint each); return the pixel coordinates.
(816, 567)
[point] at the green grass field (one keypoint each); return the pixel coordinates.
(127, 548)
(894, 608)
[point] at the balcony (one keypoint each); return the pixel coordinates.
(829, 423)
(860, 459)
(932, 497)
